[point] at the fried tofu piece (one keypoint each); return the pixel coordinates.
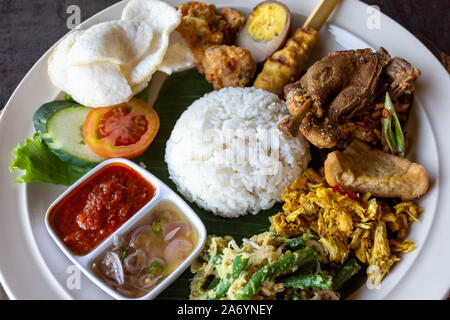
(228, 66)
(360, 168)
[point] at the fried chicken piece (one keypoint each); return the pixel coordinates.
(234, 21)
(360, 168)
(202, 27)
(363, 225)
(341, 89)
(228, 66)
(380, 255)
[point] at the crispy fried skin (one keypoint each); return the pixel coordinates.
(361, 168)
(202, 27)
(228, 66)
(402, 77)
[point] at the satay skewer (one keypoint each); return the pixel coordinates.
(287, 64)
(320, 14)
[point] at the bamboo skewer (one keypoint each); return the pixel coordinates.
(286, 65)
(320, 14)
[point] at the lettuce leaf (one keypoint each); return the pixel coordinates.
(40, 164)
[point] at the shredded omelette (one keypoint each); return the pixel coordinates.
(347, 223)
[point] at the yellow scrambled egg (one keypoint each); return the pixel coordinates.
(347, 224)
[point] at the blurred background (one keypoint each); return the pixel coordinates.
(29, 28)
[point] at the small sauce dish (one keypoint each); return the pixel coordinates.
(124, 228)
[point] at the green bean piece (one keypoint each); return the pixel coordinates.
(239, 265)
(348, 270)
(310, 266)
(216, 260)
(321, 281)
(225, 283)
(213, 283)
(288, 263)
(299, 242)
(295, 243)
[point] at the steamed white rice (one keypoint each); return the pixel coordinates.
(227, 155)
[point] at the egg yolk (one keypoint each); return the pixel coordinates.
(266, 22)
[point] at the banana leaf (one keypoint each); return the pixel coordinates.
(178, 93)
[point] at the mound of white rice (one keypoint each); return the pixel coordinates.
(227, 155)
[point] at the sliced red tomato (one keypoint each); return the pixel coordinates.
(121, 131)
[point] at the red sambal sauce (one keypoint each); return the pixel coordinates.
(99, 206)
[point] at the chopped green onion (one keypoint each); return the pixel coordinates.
(124, 254)
(157, 225)
(394, 138)
(155, 268)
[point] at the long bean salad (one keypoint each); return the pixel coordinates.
(268, 266)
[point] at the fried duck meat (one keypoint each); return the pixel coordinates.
(228, 66)
(339, 90)
(202, 27)
(402, 78)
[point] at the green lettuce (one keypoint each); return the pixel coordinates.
(40, 164)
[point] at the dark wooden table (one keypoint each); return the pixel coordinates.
(29, 28)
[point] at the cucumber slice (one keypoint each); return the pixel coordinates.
(60, 124)
(44, 113)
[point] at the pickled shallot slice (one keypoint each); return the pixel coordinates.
(136, 262)
(159, 260)
(169, 215)
(112, 267)
(119, 241)
(177, 251)
(147, 281)
(172, 229)
(141, 238)
(166, 214)
(129, 292)
(171, 234)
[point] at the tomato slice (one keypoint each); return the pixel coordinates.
(121, 131)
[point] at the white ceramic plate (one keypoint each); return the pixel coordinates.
(32, 266)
